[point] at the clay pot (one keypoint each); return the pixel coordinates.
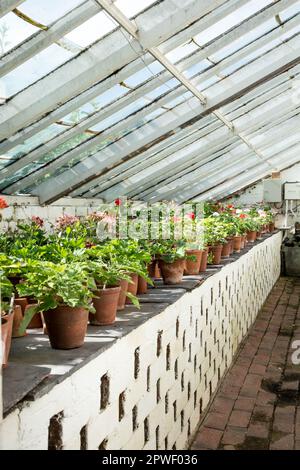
(142, 286)
(237, 242)
(122, 294)
(157, 271)
(66, 326)
(132, 286)
(6, 332)
(258, 235)
(226, 250)
(106, 304)
(36, 321)
(271, 227)
(251, 236)
(216, 251)
(172, 273)
(18, 317)
(192, 266)
(152, 268)
(203, 264)
(243, 243)
(22, 302)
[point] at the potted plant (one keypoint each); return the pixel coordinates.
(171, 260)
(215, 236)
(64, 295)
(7, 316)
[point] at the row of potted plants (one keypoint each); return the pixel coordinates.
(68, 277)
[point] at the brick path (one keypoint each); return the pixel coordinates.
(258, 403)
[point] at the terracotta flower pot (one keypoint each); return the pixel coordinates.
(243, 243)
(66, 326)
(258, 235)
(251, 236)
(157, 271)
(192, 266)
(172, 273)
(152, 268)
(22, 301)
(271, 227)
(36, 321)
(216, 251)
(226, 250)
(230, 240)
(122, 294)
(106, 304)
(142, 286)
(237, 242)
(6, 332)
(18, 317)
(203, 264)
(132, 287)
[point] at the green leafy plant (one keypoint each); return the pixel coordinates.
(54, 285)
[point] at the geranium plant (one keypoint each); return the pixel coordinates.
(54, 285)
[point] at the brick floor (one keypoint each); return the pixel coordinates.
(258, 403)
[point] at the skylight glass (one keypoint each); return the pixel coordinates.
(92, 30)
(46, 12)
(32, 70)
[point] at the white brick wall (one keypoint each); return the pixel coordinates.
(23, 208)
(203, 328)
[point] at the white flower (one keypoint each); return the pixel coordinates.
(239, 211)
(216, 214)
(247, 210)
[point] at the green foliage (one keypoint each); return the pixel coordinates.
(53, 285)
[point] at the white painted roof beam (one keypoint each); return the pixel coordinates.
(172, 42)
(285, 55)
(7, 5)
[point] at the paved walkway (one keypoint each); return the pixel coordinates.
(258, 404)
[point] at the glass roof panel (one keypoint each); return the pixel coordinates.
(35, 141)
(34, 69)
(230, 21)
(47, 12)
(92, 30)
(131, 7)
(13, 30)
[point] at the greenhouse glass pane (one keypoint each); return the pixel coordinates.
(34, 69)
(97, 103)
(46, 12)
(182, 51)
(144, 74)
(13, 30)
(130, 8)
(92, 30)
(244, 40)
(36, 140)
(230, 21)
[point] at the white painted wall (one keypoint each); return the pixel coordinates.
(213, 319)
(22, 208)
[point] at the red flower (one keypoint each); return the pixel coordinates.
(230, 206)
(191, 215)
(117, 202)
(243, 216)
(3, 203)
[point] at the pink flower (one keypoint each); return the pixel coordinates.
(66, 221)
(97, 216)
(37, 220)
(191, 215)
